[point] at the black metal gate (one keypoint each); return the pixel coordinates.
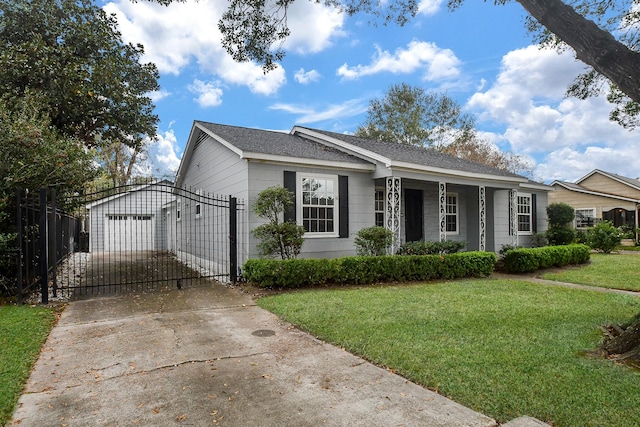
(132, 238)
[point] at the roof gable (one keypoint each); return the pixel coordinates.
(579, 189)
(633, 183)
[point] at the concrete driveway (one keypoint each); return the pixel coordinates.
(207, 355)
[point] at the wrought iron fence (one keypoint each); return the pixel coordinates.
(130, 238)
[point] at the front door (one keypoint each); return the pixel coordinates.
(413, 214)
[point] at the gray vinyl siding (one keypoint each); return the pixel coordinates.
(361, 207)
(217, 170)
(501, 219)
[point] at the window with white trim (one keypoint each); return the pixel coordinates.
(198, 208)
(585, 217)
(524, 213)
(379, 207)
(178, 206)
(451, 213)
(318, 207)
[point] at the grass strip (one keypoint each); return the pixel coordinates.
(616, 271)
(23, 330)
(501, 347)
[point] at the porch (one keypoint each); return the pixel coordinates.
(485, 217)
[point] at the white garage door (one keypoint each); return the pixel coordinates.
(129, 233)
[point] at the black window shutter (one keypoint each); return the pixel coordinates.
(290, 184)
(534, 214)
(343, 195)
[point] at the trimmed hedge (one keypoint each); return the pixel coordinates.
(358, 270)
(525, 260)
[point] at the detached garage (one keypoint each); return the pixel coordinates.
(132, 220)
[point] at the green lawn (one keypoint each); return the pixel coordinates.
(616, 271)
(502, 347)
(23, 330)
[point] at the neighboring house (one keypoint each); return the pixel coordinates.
(343, 183)
(133, 220)
(600, 195)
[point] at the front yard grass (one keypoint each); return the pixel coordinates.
(505, 348)
(23, 330)
(617, 271)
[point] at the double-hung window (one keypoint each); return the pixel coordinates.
(319, 207)
(198, 207)
(379, 207)
(524, 213)
(451, 213)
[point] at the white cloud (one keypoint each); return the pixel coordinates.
(209, 94)
(350, 108)
(163, 154)
(177, 35)
(305, 77)
(312, 26)
(158, 95)
(436, 63)
(567, 136)
(429, 7)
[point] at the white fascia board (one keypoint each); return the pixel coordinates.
(351, 149)
(117, 196)
(608, 175)
(536, 186)
(595, 193)
(188, 152)
(272, 158)
(221, 140)
(457, 173)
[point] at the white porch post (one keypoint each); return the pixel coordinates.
(442, 209)
(392, 209)
(513, 216)
(482, 220)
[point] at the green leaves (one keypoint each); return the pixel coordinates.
(71, 52)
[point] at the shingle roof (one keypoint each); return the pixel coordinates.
(278, 143)
(298, 146)
(417, 155)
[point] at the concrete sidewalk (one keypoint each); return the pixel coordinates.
(208, 356)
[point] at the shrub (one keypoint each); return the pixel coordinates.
(539, 240)
(603, 237)
(277, 238)
(431, 248)
(374, 241)
(525, 260)
(560, 214)
(560, 235)
(359, 270)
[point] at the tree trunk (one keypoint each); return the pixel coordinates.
(623, 342)
(593, 46)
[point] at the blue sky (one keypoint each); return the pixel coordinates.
(480, 55)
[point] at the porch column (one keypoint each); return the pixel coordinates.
(392, 209)
(442, 209)
(513, 216)
(482, 219)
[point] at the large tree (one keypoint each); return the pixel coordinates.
(33, 154)
(411, 115)
(91, 82)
